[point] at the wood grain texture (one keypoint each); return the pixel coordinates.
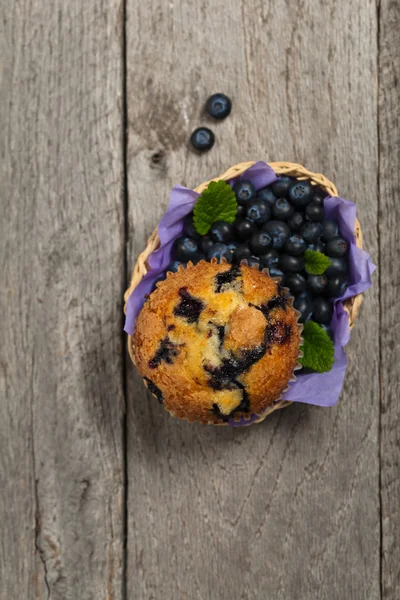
(389, 216)
(289, 508)
(61, 459)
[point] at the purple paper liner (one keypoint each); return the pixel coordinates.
(321, 389)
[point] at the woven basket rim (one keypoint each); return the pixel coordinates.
(351, 305)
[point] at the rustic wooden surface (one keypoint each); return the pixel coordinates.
(96, 502)
(62, 260)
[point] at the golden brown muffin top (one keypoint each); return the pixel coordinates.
(216, 341)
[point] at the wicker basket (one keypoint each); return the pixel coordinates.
(351, 305)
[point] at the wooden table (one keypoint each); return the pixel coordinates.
(102, 494)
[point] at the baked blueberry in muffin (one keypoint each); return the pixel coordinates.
(217, 341)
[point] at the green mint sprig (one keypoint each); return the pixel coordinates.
(318, 349)
(217, 202)
(316, 262)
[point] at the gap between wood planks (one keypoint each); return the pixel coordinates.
(378, 40)
(124, 592)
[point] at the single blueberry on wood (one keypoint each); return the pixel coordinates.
(202, 139)
(218, 106)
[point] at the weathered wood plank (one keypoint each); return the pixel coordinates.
(389, 189)
(290, 508)
(61, 456)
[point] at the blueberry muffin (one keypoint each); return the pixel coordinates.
(217, 341)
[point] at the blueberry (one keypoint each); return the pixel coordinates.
(295, 245)
(232, 247)
(159, 278)
(330, 229)
(338, 266)
(281, 187)
(221, 231)
(258, 211)
(173, 266)
(185, 249)
(218, 106)
(267, 195)
(206, 243)
(244, 191)
(303, 304)
(322, 311)
(295, 282)
(336, 247)
(260, 242)
(189, 228)
(241, 211)
(202, 139)
(245, 228)
(319, 195)
(253, 261)
(300, 193)
(336, 287)
(318, 246)
(279, 232)
(220, 251)
(198, 258)
(311, 232)
(314, 211)
(282, 209)
(242, 251)
(270, 258)
(316, 284)
(296, 221)
(275, 272)
(291, 264)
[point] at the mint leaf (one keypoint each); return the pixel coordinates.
(318, 348)
(217, 202)
(316, 262)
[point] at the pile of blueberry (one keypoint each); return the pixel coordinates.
(273, 228)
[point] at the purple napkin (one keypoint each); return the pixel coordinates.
(322, 389)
